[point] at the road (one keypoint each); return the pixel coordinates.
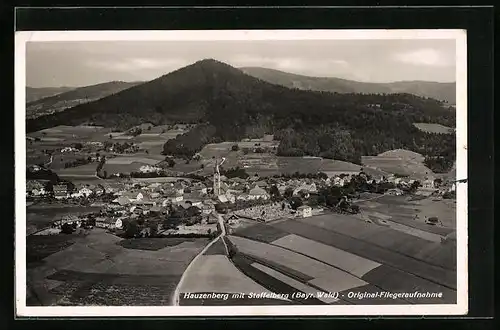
(176, 295)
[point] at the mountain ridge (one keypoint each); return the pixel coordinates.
(442, 91)
(229, 105)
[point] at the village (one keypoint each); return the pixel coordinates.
(190, 206)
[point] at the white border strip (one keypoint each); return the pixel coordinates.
(236, 35)
(21, 38)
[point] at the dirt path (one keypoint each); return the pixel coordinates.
(176, 295)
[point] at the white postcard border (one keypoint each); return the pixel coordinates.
(21, 38)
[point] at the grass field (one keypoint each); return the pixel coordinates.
(97, 263)
(39, 247)
(153, 244)
(124, 160)
(260, 232)
(217, 248)
(433, 128)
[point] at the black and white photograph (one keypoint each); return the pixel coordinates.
(256, 172)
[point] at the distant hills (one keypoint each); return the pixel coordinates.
(35, 93)
(230, 105)
(435, 90)
(73, 97)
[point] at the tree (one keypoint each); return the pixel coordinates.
(296, 202)
(170, 161)
(274, 191)
(235, 147)
(67, 229)
(131, 228)
(288, 192)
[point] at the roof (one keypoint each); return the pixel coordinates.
(155, 209)
(303, 207)
(257, 191)
(122, 200)
(222, 198)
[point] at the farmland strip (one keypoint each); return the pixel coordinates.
(292, 282)
(371, 251)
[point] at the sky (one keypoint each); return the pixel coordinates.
(83, 63)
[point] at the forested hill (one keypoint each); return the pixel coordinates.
(436, 90)
(37, 93)
(234, 105)
(79, 95)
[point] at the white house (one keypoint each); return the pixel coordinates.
(428, 184)
(395, 192)
(257, 193)
(85, 191)
(207, 208)
(304, 211)
(149, 169)
(119, 223)
(338, 181)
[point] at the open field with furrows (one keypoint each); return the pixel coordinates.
(383, 236)
(97, 270)
(388, 278)
(346, 261)
(386, 237)
(366, 249)
(433, 128)
(323, 276)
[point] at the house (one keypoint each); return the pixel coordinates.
(119, 224)
(145, 202)
(155, 194)
(199, 187)
(149, 169)
(155, 209)
(261, 184)
(99, 190)
(395, 192)
(338, 181)
(85, 191)
(232, 219)
(207, 208)
(194, 202)
(212, 218)
(428, 183)
(304, 211)
(257, 193)
(60, 191)
(222, 198)
(174, 197)
(67, 149)
(179, 187)
(106, 223)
